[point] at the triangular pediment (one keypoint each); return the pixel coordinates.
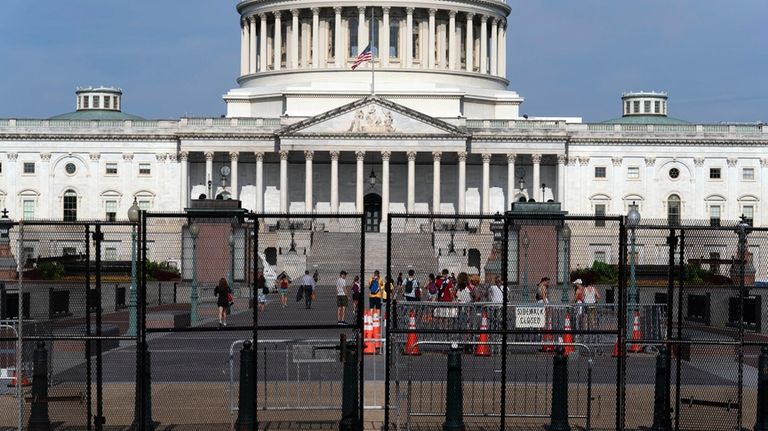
(371, 116)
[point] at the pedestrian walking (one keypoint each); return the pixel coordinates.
(496, 291)
(445, 287)
(356, 293)
(463, 292)
(375, 287)
(282, 288)
(223, 300)
(431, 288)
(591, 296)
(261, 289)
(308, 286)
(398, 284)
(411, 289)
(341, 298)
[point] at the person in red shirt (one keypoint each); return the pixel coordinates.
(445, 288)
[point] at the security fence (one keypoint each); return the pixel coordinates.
(666, 330)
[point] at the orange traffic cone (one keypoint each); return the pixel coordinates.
(369, 348)
(411, 348)
(567, 337)
(616, 352)
(24, 380)
(377, 329)
(635, 348)
(548, 337)
(482, 348)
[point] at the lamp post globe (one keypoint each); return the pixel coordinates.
(133, 217)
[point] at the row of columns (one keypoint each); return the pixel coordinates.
(360, 177)
(253, 51)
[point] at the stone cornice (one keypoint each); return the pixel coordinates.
(664, 141)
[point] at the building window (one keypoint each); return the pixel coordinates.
(714, 174)
(111, 210)
(29, 167)
(633, 173)
(637, 106)
(600, 257)
(70, 168)
(144, 169)
(70, 205)
(85, 102)
(110, 254)
(394, 39)
(626, 107)
(674, 173)
(714, 215)
(96, 102)
(647, 106)
(28, 206)
(144, 204)
(352, 31)
(600, 212)
(748, 174)
(111, 169)
(748, 211)
(106, 102)
(416, 43)
(673, 210)
(656, 107)
(600, 172)
(69, 251)
(114, 103)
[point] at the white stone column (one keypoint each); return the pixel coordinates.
(385, 155)
(295, 30)
(259, 207)
(408, 37)
(338, 46)
(411, 202)
(698, 189)
(315, 37)
(436, 182)
(452, 40)
(263, 42)
(561, 161)
(483, 44)
(510, 180)
(308, 201)
(486, 183)
(494, 47)
(278, 39)
(252, 45)
(649, 181)
(334, 181)
(359, 181)
(502, 61)
(470, 41)
(284, 181)
(618, 180)
(244, 46)
(536, 177)
(734, 212)
(462, 186)
(233, 156)
(362, 41)
(209, 175)
(431, 39)
(384, 37)
(184, 168)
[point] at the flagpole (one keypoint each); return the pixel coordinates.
(373, 57)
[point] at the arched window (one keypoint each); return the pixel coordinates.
(673, 210)
(70, 205)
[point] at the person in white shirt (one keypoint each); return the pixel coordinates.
(496, 291)
(308, 286)
(341, 298)
(411, 287)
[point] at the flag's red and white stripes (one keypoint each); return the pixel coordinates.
(364, 56)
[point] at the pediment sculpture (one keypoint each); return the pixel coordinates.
(372, 121)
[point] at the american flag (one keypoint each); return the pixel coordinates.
(364, 56)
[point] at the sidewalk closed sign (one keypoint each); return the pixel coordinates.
(530, 317)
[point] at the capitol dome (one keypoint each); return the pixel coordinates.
(447, 60)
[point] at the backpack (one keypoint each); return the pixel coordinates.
(409, 286)
(432, 288)
(355, 287)
(375, 286)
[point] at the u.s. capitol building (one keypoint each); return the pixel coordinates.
(434, 130)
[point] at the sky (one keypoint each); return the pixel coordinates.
(565, 57)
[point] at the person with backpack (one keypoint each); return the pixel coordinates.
(411, 287)
(444, 287)
(341, 298)
(375, 288)
(431, 288)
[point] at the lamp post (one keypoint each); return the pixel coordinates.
(194, 231)
(565, 234)
(526, 293)
(133, 217)
(633, 219)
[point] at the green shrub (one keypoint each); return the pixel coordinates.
(50, 270)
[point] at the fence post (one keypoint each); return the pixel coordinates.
(3, 301)
(350, 412)
(38, 418)
(175, 285)
(147, 383)
(661, 419)
(559, 415)
(761, 424)
(454, 414)
(159, 293)
(246, 401)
